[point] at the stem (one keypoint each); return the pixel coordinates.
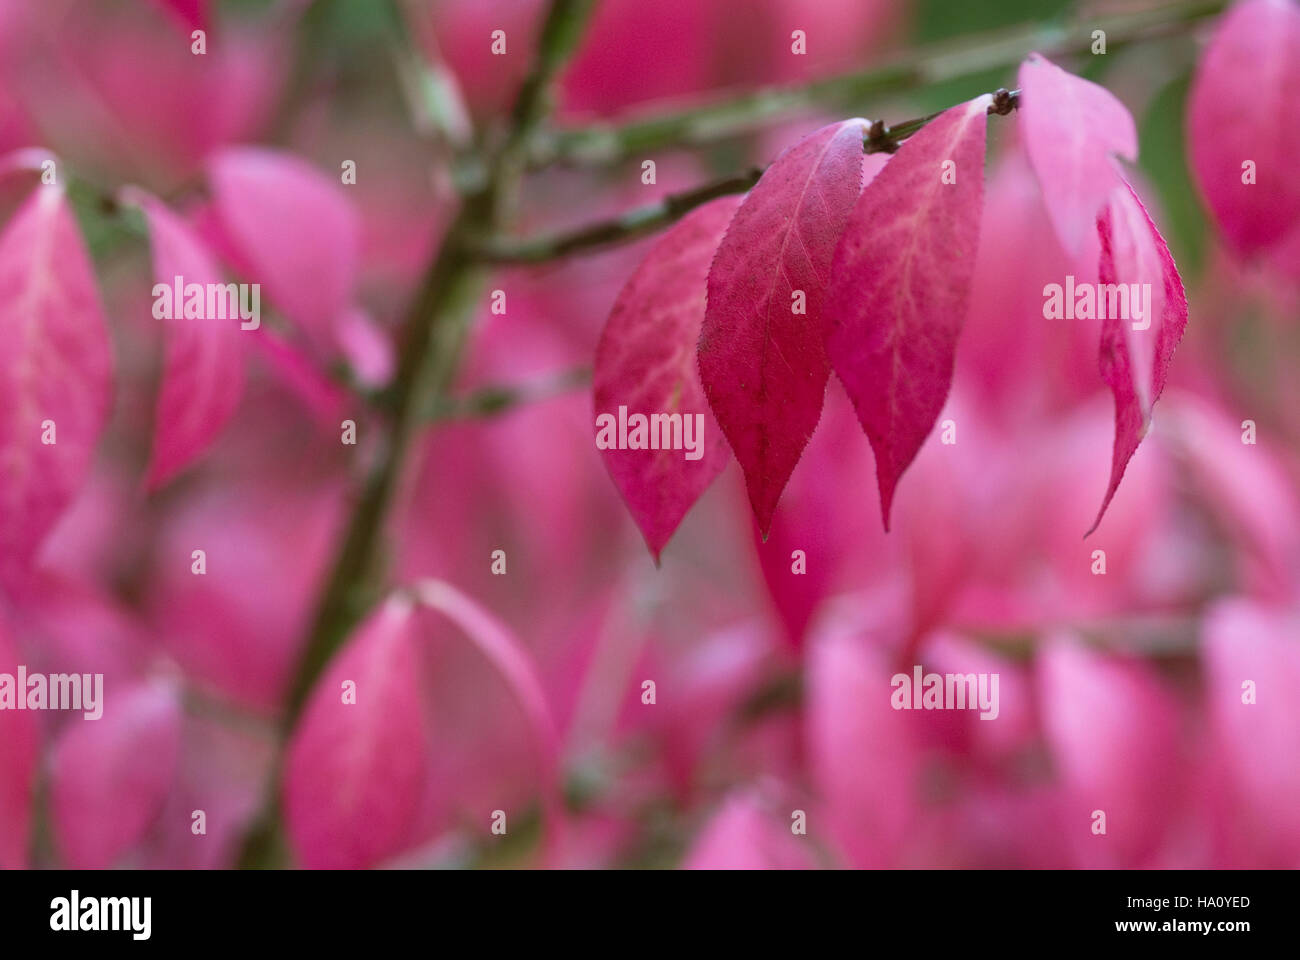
(493, 400)
(435, 330)
(439, 317)
(604, 144)
(637, 222)
(626, 226)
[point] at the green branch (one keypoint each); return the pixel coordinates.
(435, 330)
(637, 222)
(934, 63)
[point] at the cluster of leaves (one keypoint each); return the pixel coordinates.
(882, 254)
(862, 264)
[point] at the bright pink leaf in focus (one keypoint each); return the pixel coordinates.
(110, 777)
(19, 745)
(763, 365)
(1071, 127)
(1135, 362)
(203, 371)
(56, 366)
(821, 516)
(371, 753)
(646, 362)
(901, 285)
(294, 231)
(1245, 105)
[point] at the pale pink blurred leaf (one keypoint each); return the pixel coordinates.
(355, 771)
(863, 753)
(1071, 128)
(295, 233)
(645, 362)
(1244, 486)
(1259, 742)
(516, 666)
(19, 746)
(368, 351)
(1135, 362)
(203, 369)
(192, 14)
(1113, 732)
(743, 835)
(1245, 105)
(901, 285)
(326, 400)
(56, 366)
(110, 777)
(763, 365)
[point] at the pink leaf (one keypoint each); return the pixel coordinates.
(19, 744)
(646, 363)
(901, 283)
(111, 776)
(1113, 731)
(743, 835)
(325, 399)
(1245, 106)
(763, 364)
(203, 372)
(512, 660)
(1071, 127)
(294, 231)
(191, 14)
(1135, 362)
(1257, 738)
(55, 373)
(863, 753)
(820, 516)
(372, 753)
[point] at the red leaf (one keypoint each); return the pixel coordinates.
(294, 231)
(763, 366)
(645, 362)
(1245, 105)
(110, 777)
(203, 372)
(821, 517)
(1071, 127)
(56, 366)
(1135, 363)
(901, 283)
(372, 753)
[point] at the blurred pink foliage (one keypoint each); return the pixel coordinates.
(1120, 691)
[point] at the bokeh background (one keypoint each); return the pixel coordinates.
(1119, 691)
